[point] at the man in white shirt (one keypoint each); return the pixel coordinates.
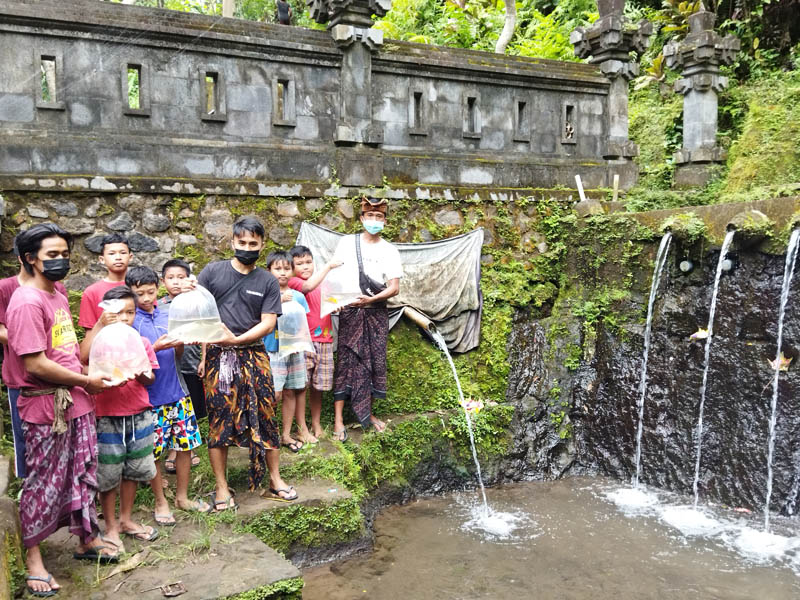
(360, 373)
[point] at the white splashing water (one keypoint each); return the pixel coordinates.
(632, 500)
(699, 434)
(692, 522)
(761, 546)
(661, 259)
(443, 347)
(788, 271)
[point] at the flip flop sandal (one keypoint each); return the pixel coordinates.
(94, 554)
(275, 494)
(294, 446)
(164, 520)
(41, 594)
(197, 503)
(340, 436)
(143, 535)
(169, 466)
(195, 460)
(228, 504)
(120, 547)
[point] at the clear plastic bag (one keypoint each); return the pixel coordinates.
(117, 354)
(193, 317)
(338, 289)
(292, 330)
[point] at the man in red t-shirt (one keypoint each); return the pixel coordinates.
(7, 287)
(319, 364)
(115, 256)
(55, 406)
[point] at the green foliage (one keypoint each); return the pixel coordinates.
(306, 525)
(288, 589)
(489, 428)
(656, 125)
(541, 31)
(688, 227)
(768, 151)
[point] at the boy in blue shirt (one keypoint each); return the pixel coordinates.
(176, 425)
(288, 372)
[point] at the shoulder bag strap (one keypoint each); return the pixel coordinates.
(358, 254)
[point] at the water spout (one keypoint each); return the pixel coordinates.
(437, 337)
(661, 259)
(788, 271)
(699, 435)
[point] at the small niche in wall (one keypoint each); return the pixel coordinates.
(135, 89)
(522, 122)
(417, 113)
(472, 116)
(283, 102)
(212, 97)
(50, 89)
(568, 124)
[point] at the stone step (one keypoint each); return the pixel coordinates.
(210, 565)
(207, 555)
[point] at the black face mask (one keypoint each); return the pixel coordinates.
(246, 257)
(55, 269)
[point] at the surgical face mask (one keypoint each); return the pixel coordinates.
(246, 257)
(55, 269)
(373, 227)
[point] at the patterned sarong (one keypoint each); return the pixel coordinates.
(60, 488)
(361, 363)
(245, 416)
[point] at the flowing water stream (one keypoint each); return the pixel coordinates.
(788, 271)
(443, 347)
(570, 542)
(699, 435)
(661, 259)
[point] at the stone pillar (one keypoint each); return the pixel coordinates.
(700, 55)
(608, 44)
(350, 23)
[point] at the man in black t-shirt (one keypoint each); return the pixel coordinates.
(240, 397)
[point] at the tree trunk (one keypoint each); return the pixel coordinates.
(227, 8)
(508, 27)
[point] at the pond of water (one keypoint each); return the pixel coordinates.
(574, 538)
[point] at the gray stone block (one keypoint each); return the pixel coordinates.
(64, 208)
(155, 222)
(38, 212)
(16, 108)
(139, 242)
(94, 243)
(448, 217)
(122, 222)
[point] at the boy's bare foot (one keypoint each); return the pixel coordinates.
(193, 505)
(142, 533)
(38, 579)
(307, 437)
(163, 515)
(39, 584)
(318, 432)
(292, 444)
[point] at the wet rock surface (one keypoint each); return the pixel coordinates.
(603, 392)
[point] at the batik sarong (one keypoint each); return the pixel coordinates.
(60, 488)
(245, 415)
(361, 363)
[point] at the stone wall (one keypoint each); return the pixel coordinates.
(439, 116)
(198, 227)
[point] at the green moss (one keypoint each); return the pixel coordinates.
(13, 564)
(306, 526)
(687, 227)
(767, 153)
(288, 589)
